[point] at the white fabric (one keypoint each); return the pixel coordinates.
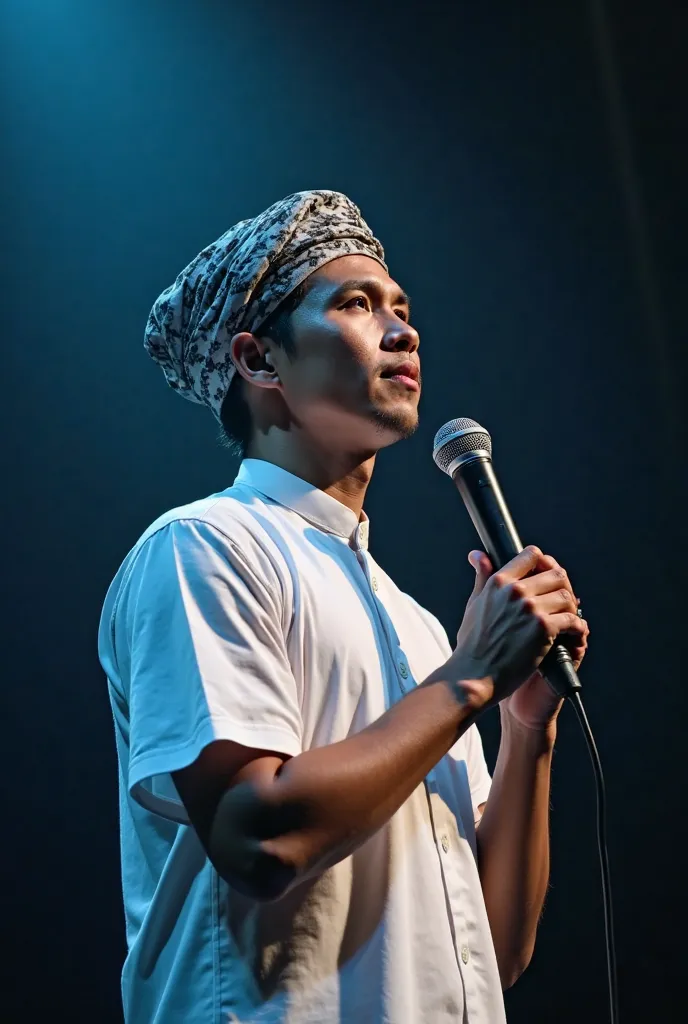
(258, 615)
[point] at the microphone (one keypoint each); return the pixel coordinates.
(463, 450)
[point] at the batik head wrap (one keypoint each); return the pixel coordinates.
(239, 280)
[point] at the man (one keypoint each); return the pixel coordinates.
(309, 831)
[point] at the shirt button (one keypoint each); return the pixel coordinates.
(403, 670)
(465, 954)
(444, 839)
(375, 584)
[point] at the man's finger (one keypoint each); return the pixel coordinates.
(483, 569)
(519, 566)
(547, 583)
(559, 600)
(566, 622)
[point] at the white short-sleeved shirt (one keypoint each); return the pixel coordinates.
(258, 615)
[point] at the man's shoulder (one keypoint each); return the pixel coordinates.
(231, 519)
(228, 525)
(233, 514)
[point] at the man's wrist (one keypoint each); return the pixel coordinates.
(472, 689)
(540, 737)
(475, 694)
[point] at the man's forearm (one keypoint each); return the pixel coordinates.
(513, 843)
(325, 802)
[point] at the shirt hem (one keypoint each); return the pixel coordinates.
(161, 762)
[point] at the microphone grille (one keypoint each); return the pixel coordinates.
(456, 438)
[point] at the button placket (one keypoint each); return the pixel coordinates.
(457, 890)
(403, 672)
(462, 901)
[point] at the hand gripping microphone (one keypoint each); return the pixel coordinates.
(463, 450)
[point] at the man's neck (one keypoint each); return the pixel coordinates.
(342, 475)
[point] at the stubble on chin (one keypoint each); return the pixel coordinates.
(400, 424)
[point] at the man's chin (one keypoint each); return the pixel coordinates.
(395, 426)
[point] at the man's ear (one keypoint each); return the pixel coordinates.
(253, 360)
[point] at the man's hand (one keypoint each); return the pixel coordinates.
(512, 619)
(535, 705)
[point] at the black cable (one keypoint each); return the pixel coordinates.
(575, 699)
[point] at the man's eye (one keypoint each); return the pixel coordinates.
(358, 298)
(402, 314)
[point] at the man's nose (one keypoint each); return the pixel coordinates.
(401, 337)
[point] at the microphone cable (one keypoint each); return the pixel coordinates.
(612, 980)
(463, 450)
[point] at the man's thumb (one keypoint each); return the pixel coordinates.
(483, 569)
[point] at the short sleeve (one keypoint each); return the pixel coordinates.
(207, 657)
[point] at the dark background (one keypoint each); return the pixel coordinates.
(525, 168)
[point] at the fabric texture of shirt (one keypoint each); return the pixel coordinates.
(258, 615)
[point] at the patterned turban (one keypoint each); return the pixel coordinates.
(239, 280)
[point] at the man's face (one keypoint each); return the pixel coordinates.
(351, 334)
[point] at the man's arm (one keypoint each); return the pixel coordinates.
(513, 843)
(268, 823)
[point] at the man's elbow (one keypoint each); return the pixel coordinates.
(511, 968)
(262, 890)
(246, 844)
(265, 879)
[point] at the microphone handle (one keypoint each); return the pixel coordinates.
(478, 486)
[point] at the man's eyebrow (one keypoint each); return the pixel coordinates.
(368, 285)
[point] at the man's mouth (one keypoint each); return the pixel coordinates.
(405, 374)
(409, 382)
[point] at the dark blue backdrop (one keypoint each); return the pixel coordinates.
(477, 141)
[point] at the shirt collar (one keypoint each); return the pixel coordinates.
(308, 501)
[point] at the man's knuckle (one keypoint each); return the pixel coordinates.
(566, 596)
(560, 573)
